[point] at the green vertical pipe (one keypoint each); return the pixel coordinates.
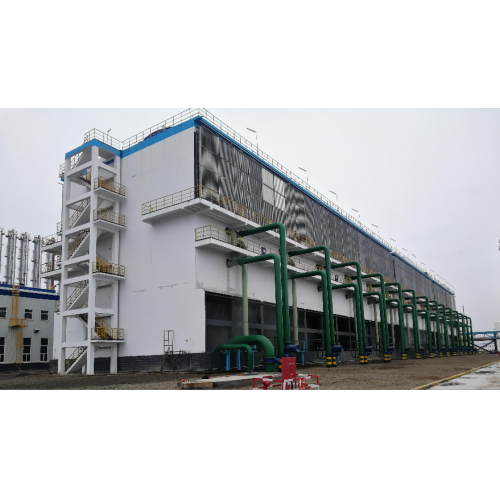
(416, 330)
(427, 323)
(452, 334)
(284, 271)
(438, 332)
(402, 332)
(383, 318)
(393, 335)
(455, 314)
(295, 313)
(400, 313)
(472, 336)
(361, 316)
(383, 309)
(277, 291)
(442, 312)
(438, 326)
(244, 284)
(328, 270)
(326, 317)
(377, 337)
(356, 303)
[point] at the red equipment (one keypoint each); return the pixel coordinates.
(289, 379)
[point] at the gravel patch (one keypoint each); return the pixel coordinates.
(348, 376)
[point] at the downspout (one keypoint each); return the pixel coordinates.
(361, 317)
(284, 272)
(430, 345)
(416, 331)
(402, 333)
(264, 343)
(357, 312)
(245, 347)
(326, 316)
(401, 317)
(383, 320)
(277, 291)
(328, 270)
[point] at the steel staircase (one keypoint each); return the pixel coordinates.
(78, 242)
(77, 293)
(79, 211)
(76, 359)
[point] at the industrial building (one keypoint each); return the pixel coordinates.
(26, 313)
(186, 243)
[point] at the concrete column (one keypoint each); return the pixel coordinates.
(114, 359)
(89, 369)
(61, 360)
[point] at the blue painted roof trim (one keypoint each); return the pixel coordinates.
(44, 290)
(300, 188)
(29, 295)
(194, 122)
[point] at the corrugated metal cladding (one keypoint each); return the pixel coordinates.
(230, 171)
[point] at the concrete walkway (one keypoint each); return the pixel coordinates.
(487, 378)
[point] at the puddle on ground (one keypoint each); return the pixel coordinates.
(451, 383)
(486, 372)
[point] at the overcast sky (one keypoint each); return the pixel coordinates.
(428, 178)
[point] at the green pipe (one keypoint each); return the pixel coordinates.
(401, 316)
(295, 314)
(452, 333)
(357, 312)
(430, 345)
(361, 317)
(472, 336)
(438, 333)
(393, 335)
(383, 313)
(455, 314)
(416, 330)
(326, 316)
(245, 347)
(402, 333)
(244, 281)
(284, 271)
(328, 269)
(465, 333)
(277, 290)
(264, 343)
(410, 308)
(438, 327)
(383, 320)
(442, 312)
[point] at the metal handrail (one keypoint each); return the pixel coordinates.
(48, 267)
(110, 185)
(59, 227)
(70, 360)
(78, 212)
(62, 167)
(109, 216)
(211, 119)
(50, 240)
(82, 286)
(103, 266)
(106, 333)
(77, 242)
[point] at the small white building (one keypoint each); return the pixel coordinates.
(29, 346)
(148, 225)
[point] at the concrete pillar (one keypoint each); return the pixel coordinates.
(114, 359)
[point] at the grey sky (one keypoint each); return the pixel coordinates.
(427, 178)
